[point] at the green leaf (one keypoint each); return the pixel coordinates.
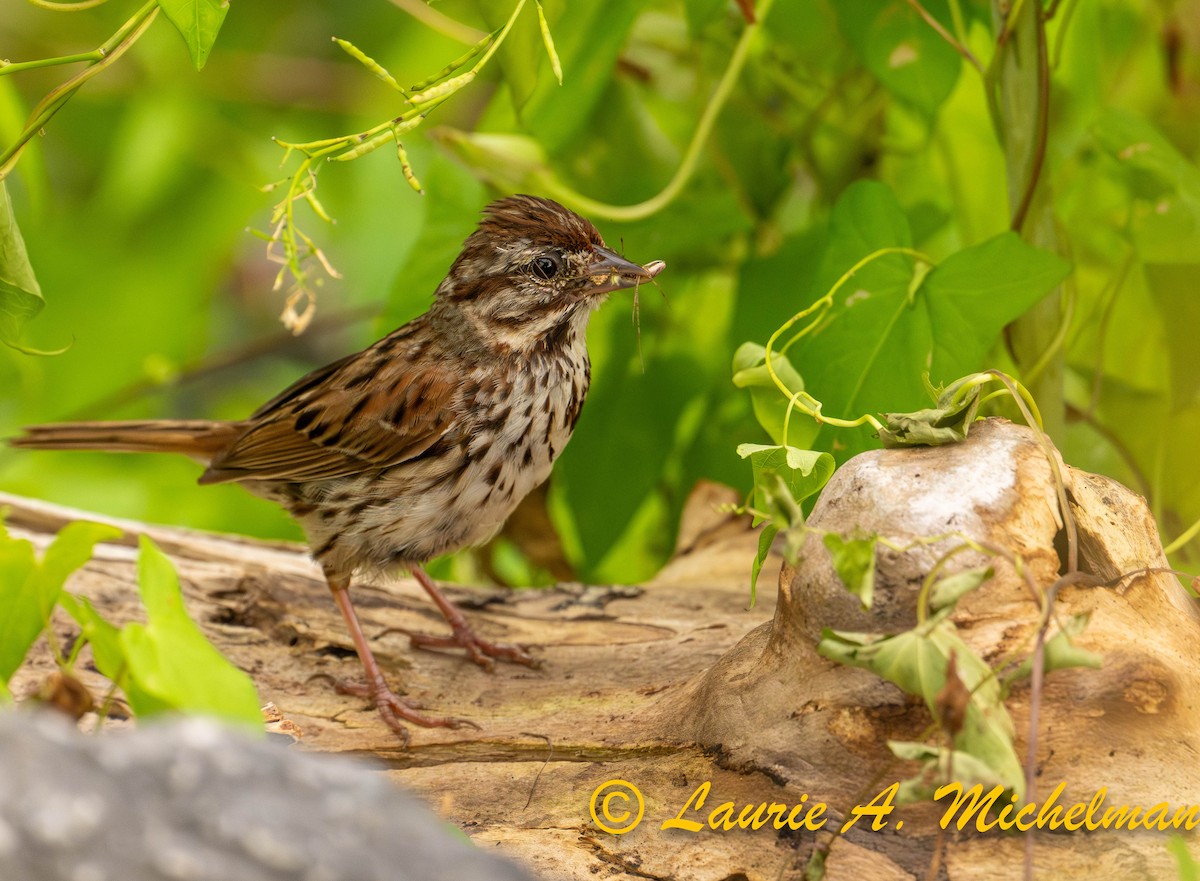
(509, 162)
(1060, 651)
(889, 325)
(1173, 287)
(108, 654)
(1166, 225)
(701, 13)
(20, 295)
(22, 620)
(519, 55)
(589, 38)
(854, 561)
(98, 632)
(770, 404)
(198, 22)
(949, 590)
(765, 539)
(619, 502)
(30, 588)
(903, 52)
(940, 765)
(916, 661)
(170, 659)
(974, 293)
(803, 472)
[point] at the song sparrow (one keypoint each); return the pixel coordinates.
(426, 441)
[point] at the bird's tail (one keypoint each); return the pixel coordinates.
(200, 439)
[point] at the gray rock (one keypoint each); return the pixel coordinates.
(189, 800)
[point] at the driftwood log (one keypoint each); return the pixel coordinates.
(674, 683)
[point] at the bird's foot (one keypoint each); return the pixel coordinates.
(478, 649)
(392, 708)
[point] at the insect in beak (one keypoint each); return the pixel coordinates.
(612, 272)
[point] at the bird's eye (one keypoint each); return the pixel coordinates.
(544, 267)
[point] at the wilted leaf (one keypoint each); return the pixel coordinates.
(950, 704)
(949, 422)
(61, 691)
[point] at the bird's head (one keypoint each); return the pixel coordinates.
(533, 271)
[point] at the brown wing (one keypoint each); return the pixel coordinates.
(368, 411)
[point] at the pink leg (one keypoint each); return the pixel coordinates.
(376, 690)
(479, 650)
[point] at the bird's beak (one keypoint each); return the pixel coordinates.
(612, 272)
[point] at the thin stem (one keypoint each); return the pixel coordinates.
(805, 402)
(78, 6)
(1157, 476)
(690, 157)
(1006, 25)
(1089, 418)
(364, 142)
(440, 22)
(1190, 533)
(1028, 410)
(1043, 126)
(956, 16)
(7, 67)
(927, 585)
(941, 31)
(56, 98)
(1031, 376)
(295, 245)
(958, 198)
(110, 698)
(1117, 282)
(1060, 38)
(495, 44)
(1036, 677)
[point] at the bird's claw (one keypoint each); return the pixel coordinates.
(478, 649)
(392, 708)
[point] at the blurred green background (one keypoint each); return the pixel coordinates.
(136, 200)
